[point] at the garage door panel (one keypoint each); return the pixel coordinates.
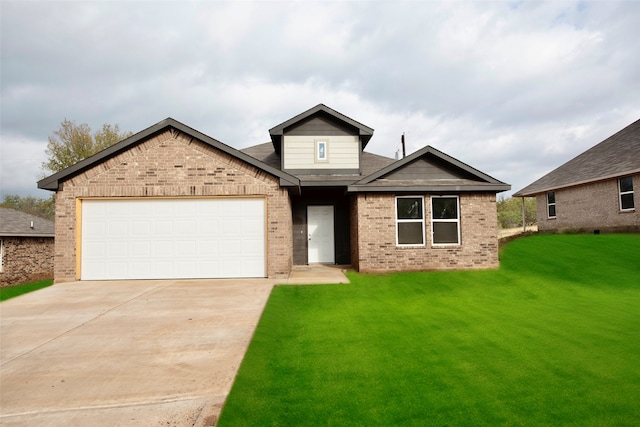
(173, 238)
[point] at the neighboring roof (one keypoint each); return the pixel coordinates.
(14, 223)
(616, 156)
(52, 182)
(463, 178)
(365, 132)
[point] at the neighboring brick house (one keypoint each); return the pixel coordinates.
(171, 202)
(597, 191)
(26, 248)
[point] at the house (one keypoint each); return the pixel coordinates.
(26, 248)
(171, 202)
(593, 192)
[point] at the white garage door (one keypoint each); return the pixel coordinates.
(173, 238)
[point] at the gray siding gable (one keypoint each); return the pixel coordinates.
(429, 169)
(321, 124)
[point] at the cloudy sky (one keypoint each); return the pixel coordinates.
(512, 88)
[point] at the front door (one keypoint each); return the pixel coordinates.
(320, 234)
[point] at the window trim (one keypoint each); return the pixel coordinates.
(456, 220)
(1, 255)
(622, 193)
(555, 209)
(319, 143)
(420, 220)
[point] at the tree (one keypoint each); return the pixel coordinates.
(510, 212)
(44, 208)
(72, 143)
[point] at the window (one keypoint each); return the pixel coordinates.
(551, 204)
(445, 220)
(625, 185)
(410, 221)
(1, 255)
(322, 154)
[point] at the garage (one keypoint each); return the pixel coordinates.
(172, 238)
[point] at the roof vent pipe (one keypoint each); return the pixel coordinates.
(31, 225)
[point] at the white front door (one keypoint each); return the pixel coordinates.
(320, 234)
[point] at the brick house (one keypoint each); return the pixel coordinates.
(171, 202)
(593, 192)
(26, 248)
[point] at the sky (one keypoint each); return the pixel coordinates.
(513, 89)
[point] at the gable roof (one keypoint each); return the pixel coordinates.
(616, 156)
(14, 223)
(276, 132)
(52, 182)
(462, 178)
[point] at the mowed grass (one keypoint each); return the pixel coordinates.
(551, 338)
(14, 291)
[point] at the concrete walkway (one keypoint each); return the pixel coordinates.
(130, 353)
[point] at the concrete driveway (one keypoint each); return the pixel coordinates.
(125, 353)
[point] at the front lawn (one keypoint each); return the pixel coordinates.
(14, 291)
(551, 338)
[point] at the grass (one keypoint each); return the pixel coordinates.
(551, 338)
(14, 291)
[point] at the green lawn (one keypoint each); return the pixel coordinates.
(551, 338)
(14, 291)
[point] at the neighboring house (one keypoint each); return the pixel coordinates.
(26, 248)
(595, 191)
(171, 202)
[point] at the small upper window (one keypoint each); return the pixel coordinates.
(322, 154)
(625, 185)
(409, 221)
(551, 204)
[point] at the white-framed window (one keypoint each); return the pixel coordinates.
(445, 220)
(409, 220)
(1, 255)
(322, 150)
(551, 204)
(625, 188)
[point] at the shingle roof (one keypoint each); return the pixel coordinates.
(14, 223)
(616, 156)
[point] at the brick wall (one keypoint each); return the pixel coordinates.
(173, 164)
(374, 236)
(26, 259)
(590, 207)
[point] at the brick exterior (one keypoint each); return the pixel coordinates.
(173, 164)
(590, 207)
(26, 259)
(373, 236)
